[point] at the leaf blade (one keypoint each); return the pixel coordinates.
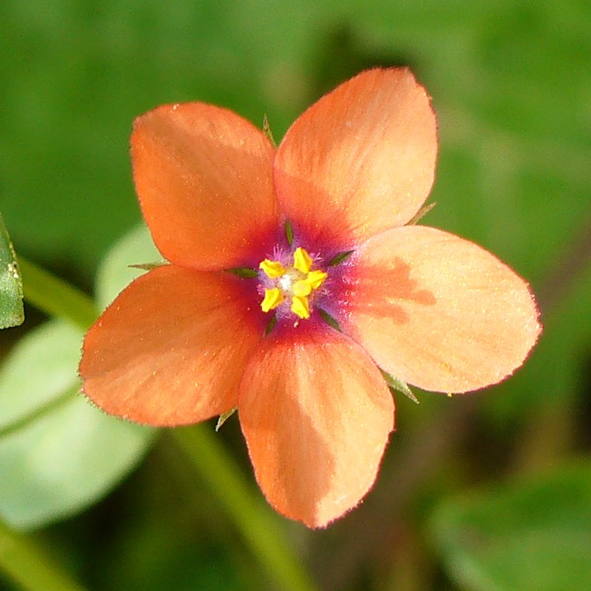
(12, 311)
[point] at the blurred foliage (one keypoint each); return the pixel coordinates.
(58, 454)
(532, 536)
(511, 83)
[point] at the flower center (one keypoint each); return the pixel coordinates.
(295, 283)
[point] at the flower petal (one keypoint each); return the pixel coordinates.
(316, 414)
(359, 161)
(437, 311)
(172, 348)
(204, 179)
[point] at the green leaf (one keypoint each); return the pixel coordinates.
(40, 368)
(58, 453)
(528, 536)
(64, 461)
(11, 287)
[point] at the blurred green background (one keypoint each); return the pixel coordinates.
(489, 492)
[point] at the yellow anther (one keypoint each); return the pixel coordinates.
(272, 268)
(302, 261)
(273, 297)
(302, 288)
(296, 283)
(300, 307)
(316, 278)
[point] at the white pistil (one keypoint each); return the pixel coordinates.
(287, 281)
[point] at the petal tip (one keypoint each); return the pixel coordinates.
(364, 156)
(316, 435)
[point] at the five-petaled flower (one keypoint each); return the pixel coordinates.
(338, 288)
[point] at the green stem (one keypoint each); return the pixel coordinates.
(28, 566)
(56, 297)
(253, 518)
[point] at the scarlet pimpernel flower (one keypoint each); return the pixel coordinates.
(293, 282)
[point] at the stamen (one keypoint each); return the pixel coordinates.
(272, 268)
(273, 297)
(302, 261)
(301, 307)
(316, 278)
(295, 284)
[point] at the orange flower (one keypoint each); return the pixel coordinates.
(318, 227)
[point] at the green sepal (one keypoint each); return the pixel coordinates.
(267, 130)
(330, 320)
(147, 266)
(288, 232)
(246, 272)
(271, 325)
(421, 214)
(339, 258)
(224, 417)
(398, 385)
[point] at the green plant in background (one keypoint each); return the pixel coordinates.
(532, 536)
(511, 82)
